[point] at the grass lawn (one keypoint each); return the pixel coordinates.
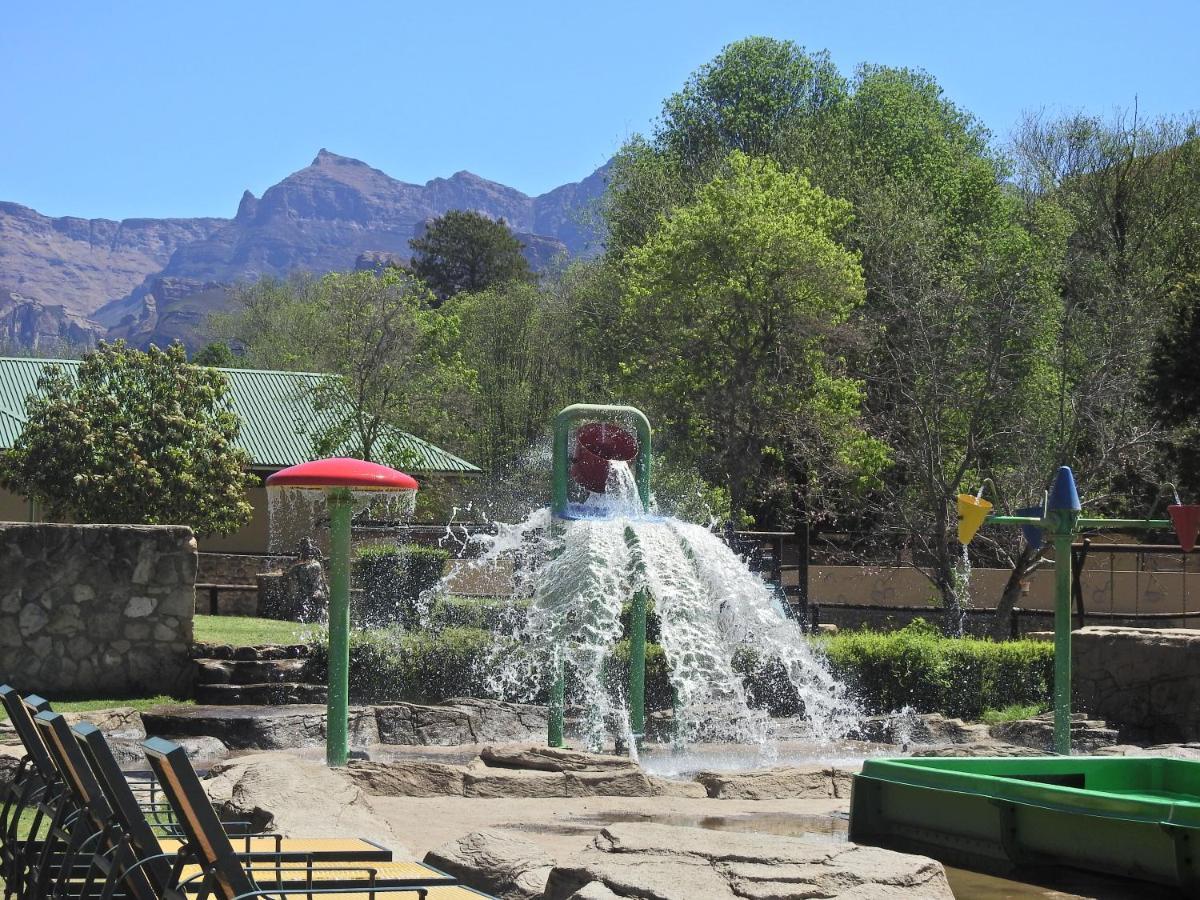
(244, 631)
(1012, 713)
(138, 703)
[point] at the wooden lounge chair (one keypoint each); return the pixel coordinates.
(228, 878)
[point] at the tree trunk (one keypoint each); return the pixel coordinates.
(1012, 590)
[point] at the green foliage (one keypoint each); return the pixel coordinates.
(393, 362)
(748, 281)
(918, 668)
(216, 354)
(496, 615)
(465, 251)
(389, 664)
(1173, 389)
(1013, 713)
(392, 580)
(139, 438)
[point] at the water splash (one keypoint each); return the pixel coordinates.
(576, 574)
(962, 591)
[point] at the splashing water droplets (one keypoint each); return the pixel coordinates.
(577, 574)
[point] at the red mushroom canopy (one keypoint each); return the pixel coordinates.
(343, 472)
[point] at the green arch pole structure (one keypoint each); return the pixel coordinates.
(563, 423)
(1061, 520)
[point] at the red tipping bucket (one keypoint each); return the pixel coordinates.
(596, 444)
(1186, 519)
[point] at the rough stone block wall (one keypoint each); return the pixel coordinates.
(96, 610)
(1146, 681)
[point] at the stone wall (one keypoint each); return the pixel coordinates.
(96, 610)
(1146, 681)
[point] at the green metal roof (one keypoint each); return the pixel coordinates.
(276, 409)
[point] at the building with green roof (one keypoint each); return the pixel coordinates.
(279, 423)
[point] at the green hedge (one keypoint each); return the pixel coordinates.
(916, 667)
(392, 580)
(421, 667)
(494, 614)
(920, 668)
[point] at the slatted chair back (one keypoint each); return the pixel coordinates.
(212, 846)
(22, 720)
(111, 851)
(72, 767)
(124, 804)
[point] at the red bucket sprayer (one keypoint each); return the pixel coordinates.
(597, 446)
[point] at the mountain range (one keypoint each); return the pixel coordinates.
(67, 282)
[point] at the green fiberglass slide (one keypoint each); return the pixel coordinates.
(1138, 817)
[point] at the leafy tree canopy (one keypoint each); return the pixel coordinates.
(138, 438)
(732, 307)
(393, 361)
(466, 251)
(216, 354)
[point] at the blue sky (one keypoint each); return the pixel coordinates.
(122, 109)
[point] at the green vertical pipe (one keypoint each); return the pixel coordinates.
(554, 723)
(1062, 642)
(637, 667)
(341, 506)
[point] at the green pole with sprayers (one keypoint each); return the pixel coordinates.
(1061, 521)
(338, 479)
(337, 748)
(560, 481)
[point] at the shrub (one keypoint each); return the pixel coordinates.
(659, 693)
(392, 580)
(498, 615)
(919, 668)
(421, 667)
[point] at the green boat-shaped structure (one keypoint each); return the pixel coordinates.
(1137, 817)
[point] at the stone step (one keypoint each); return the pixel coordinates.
(264, 651)
(249, 671)
(278, 694)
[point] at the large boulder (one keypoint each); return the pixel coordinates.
(408, 779)
(782, 783)
(495, 862)
(508, 772)
(259, 727)
(553, 759)
(1145, 681)
(669, 863)
(284, 793)
(1087, 735)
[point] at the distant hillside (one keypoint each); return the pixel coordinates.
(151, 280)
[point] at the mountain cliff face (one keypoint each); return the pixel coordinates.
(156, 279)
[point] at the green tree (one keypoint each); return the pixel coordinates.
(139, 438)
(1131, 191)
(732, 307)
(1173, 390)
(393, 361)
(216, 354)
(760, 96)
(466, 251)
